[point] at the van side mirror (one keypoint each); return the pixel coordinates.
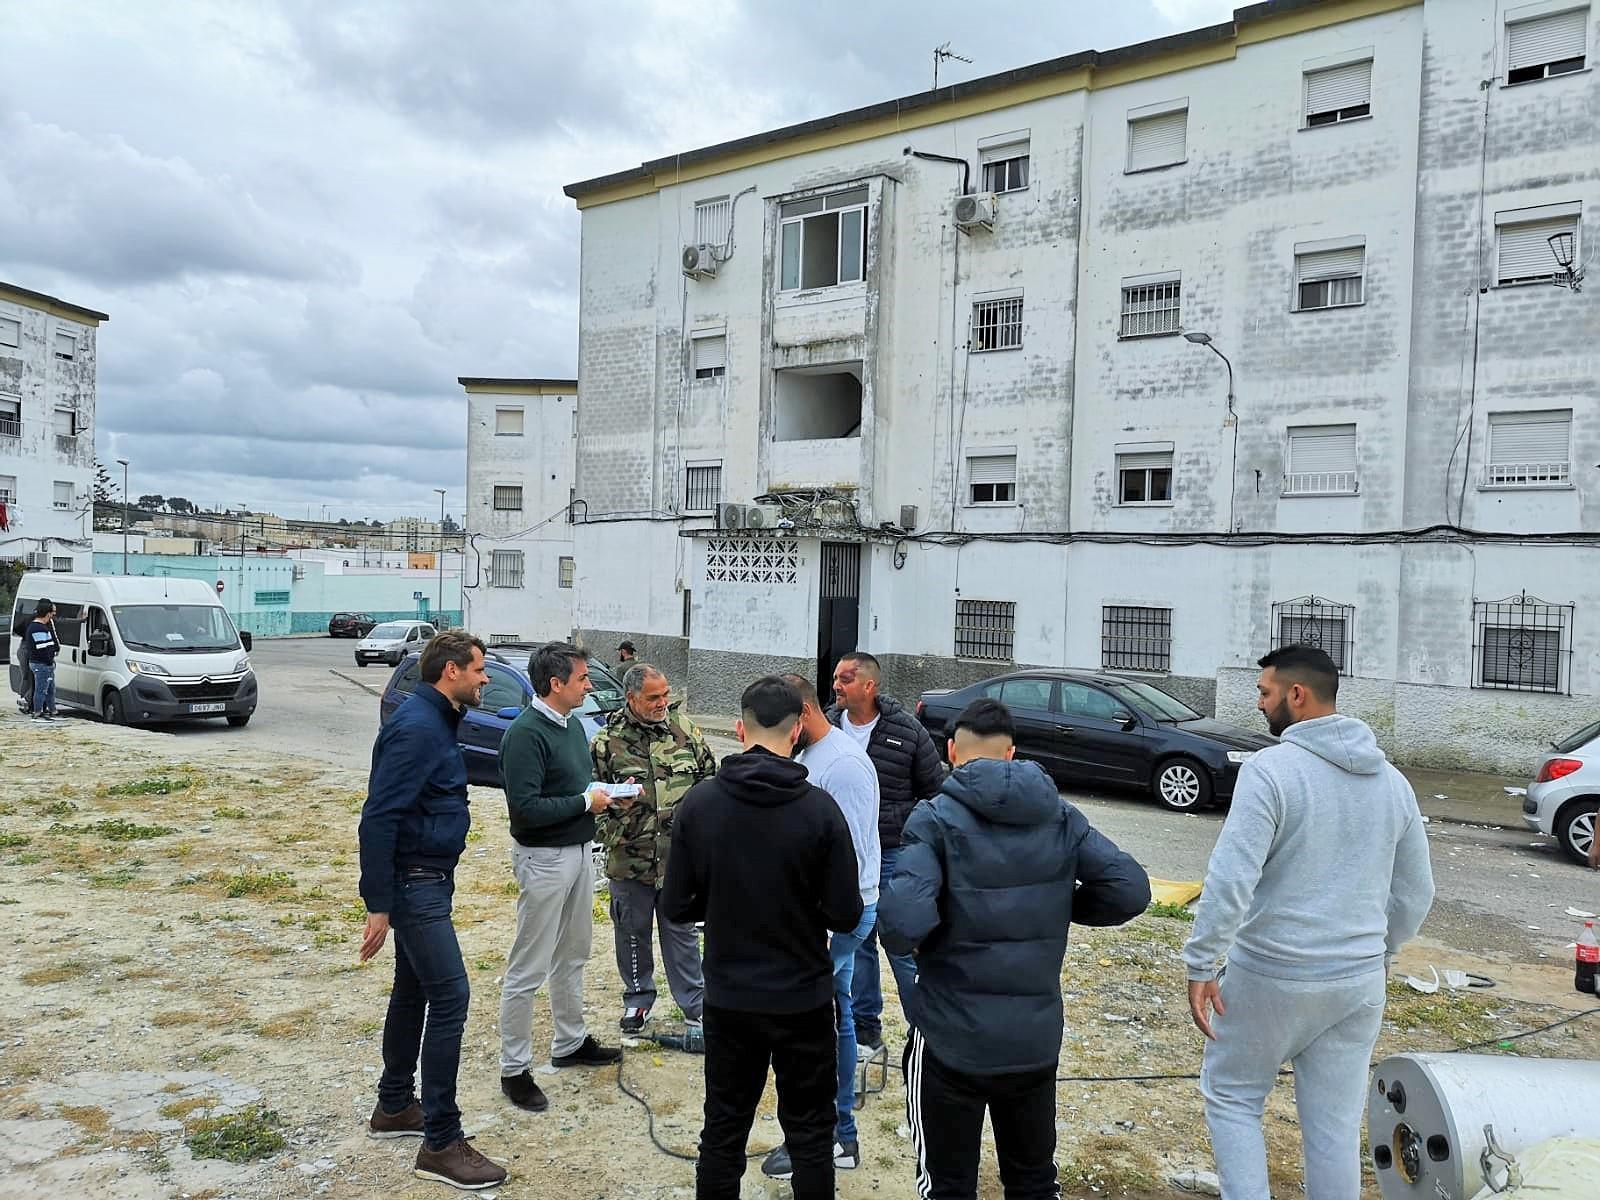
(100, 644)
(245, 639)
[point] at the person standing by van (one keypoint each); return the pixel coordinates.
(39, 639)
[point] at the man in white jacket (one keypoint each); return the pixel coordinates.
(1320, 875)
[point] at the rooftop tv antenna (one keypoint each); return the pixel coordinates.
(940, 54)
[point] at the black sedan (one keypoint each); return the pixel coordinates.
(1093, 728)
(351, 624)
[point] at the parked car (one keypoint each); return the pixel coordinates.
(1564, 796)
(504, 697)
(351, 624)
(392, 641)
(1093, 728)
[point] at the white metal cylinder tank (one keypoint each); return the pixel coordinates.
(1426, 1115)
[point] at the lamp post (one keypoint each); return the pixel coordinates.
(1200, 338)
(244, 513)
(123, 463)
(440, 617)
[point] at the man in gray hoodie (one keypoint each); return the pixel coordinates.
(1320, 875)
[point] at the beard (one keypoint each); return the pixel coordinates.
(1279, 719)
(801, 742)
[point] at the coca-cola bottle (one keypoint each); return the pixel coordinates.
(1588, 959)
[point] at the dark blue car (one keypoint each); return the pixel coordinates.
(506, 694)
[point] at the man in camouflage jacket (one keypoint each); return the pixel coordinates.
(649, 741)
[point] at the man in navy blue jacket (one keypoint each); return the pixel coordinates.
(413, 830)
(993, 871)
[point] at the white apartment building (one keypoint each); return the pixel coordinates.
(936, 349)
(47, 388)
(520, 568)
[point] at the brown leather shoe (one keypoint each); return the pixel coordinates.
(459, 1165)
(405, 1123)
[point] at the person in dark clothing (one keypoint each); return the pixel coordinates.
(413, 829)
(909, 770)
(765, 859)
(40, 644)
(993, 871)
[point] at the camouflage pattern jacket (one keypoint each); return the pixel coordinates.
(666, 759)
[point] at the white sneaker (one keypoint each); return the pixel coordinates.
(846, 1155)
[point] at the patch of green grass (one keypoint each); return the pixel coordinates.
(1460, 1019)
(238, 1138)
(28, 859)
(114, 878)
(258, 883)
(116, 829)
(229, 812)
(9, 900)
(153, 785)
(58, 808)
(1176, 912)
(484, 964)
(8, 840)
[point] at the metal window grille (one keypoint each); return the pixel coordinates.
(688, 613)
(270, 599)
(1322, 461)
(1135, 639)
(507, 499)
(712, 221)
(565, 569)
(10, 418)
(503, 639)
(702, 488)
(752, 560)
(997, 324)
(505, 568)
(1009, 174)
(1317, 621)
(1522, 644)
(1529, 449)
(1150, 309)
(985, 629)
(61, 565)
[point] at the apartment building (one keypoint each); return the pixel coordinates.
(47, 393)
(1148, 359)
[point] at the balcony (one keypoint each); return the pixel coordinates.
(1527, 475)
(10, 426)
(1320, 483)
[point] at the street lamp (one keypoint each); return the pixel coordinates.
(123, 463)
(1200, 338)
(441, 554)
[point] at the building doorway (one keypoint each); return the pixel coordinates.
(838, 610)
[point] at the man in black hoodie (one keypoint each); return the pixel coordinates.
(765, 860)
(993, 870)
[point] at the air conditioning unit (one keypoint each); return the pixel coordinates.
(38, 560)
(975, 211)
(761, 516)
(700, 260)
(730, 516)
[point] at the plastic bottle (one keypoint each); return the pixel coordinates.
(1588, 959)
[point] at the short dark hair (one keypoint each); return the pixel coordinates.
(551, 662)
(771, 702)
(861, 657)
(44, 606)
(986, 718)
(448, 646)
(807, 689)
(628, 646)
(1306, 665)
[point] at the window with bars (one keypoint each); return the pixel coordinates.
(1522, 644)
(508, 422)
(823, 240)
(507, 498)
(1523, 253)
(985, 629)
(1322, 461)
(713, 221)
(62, 566)
(688, 612)
(1529, 449)
(1157, 139)
(702, 487)
(10, 416)
(992, 479)
(565, 569)
(1005, 169)
(1144, 477)
(503, 639)
(505, 568)
(1319, 622)
(997, 324)
(1135, 639)
(8, 489)
(1550, 44)
(1329, 278)
(1340, 93)
(708, 355)
(1150, 309)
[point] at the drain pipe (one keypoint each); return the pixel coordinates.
(966, 167)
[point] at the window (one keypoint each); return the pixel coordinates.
(1340, 93)
(406, 682)
(1322, 461)
(997, 324)
(713, 221)
(1524, 254)
(503, 690)
(688, 612)
(507, 498)
(1315, 621)
(10, 416)
(61, 565)
(1158, 136)
(66, 423)
(505, 568)
(503, 639)
(1081, 700)
(824, 240)
(708, 354)
(702, 486)
(1135, 639)
(1005, 162)
(992, 479)
(985, 629)
(271, 599)
(817, 403)
(8, 489)
(10, 331)
(1022, 693)
(1329, 278)
(1542, 46)
(66, 346)
(1144, 475)
(1523, 644)
(63, 495)
(1529, 449)
(508, 422)
(564, 571)
(1150, 308)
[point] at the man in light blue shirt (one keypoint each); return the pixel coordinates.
(839, 765)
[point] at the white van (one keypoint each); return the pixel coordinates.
(392, 641)
(140, 649)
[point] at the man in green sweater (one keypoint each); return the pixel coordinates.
(552, 798)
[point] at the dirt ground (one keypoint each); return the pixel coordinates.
(183, 980)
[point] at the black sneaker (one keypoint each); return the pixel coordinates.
(777, 1165)
(633, 1020)
(590, 1054)
(522, 1091)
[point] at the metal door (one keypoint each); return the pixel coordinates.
(838, 610)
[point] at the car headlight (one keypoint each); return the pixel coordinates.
(1240, 756)
(139, 667)
(243, 664)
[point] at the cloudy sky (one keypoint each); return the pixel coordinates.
(307, 219)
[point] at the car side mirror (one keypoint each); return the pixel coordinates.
(1126, 719)
(245, 639)
(100, 644)
(509, 713)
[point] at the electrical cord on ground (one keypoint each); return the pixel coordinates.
(650, 1122)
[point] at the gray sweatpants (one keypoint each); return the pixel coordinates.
(635, 907)
(1326, 1029)
(555, 925)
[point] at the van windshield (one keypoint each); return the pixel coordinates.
(391, 633)
(175, 628)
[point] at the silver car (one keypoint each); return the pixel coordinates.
(1565, 794)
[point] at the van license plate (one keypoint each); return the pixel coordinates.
(208, 708)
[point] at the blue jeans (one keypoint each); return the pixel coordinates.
(428, 1006)
(44, 687)
(867, 991)
(843, 948)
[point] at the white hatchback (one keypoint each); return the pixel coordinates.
(392, 641)
(1565, 795)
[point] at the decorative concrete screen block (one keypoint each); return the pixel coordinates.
(752, 560)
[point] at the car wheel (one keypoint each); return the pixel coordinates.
(111, 710)
(1182, 785)
(1575, 829)
(238, 720)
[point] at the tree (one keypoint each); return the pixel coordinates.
(179, 505)
(152, 502)
(103, 487)
(344, 522)
(450, 525)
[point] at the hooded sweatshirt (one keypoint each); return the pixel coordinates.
(764, 858)
(993, 870)
(1321, 871)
